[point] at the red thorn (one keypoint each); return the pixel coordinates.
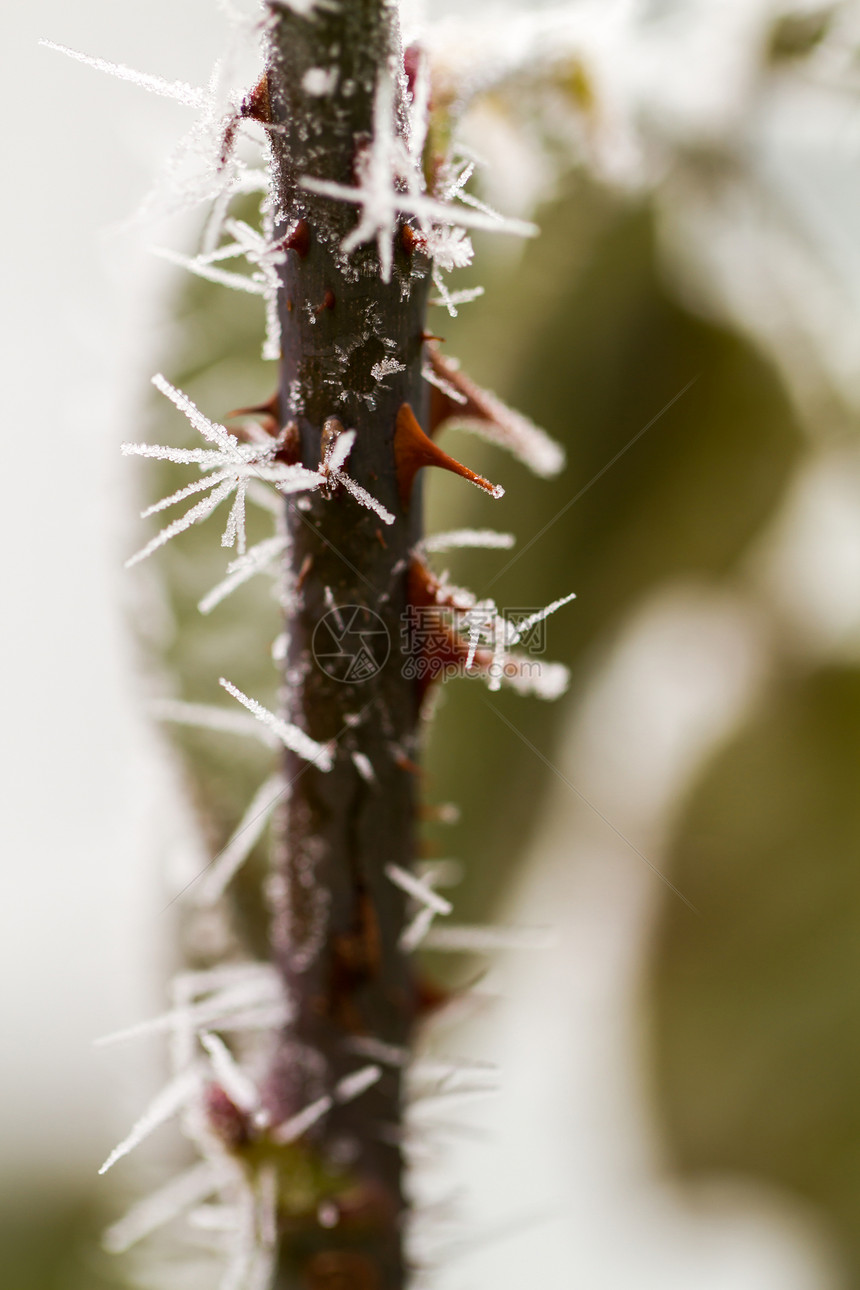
(426, 335)
(473, 404)
(381, 540)
(298, 238)
(446, 649)
(413, 449)
(327, 303)
(256, 105)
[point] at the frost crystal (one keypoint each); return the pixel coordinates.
(208, 717)
(228, 468)
(182, 92)
(204, 268)
(486, 939)
(290, 735)
(421, 891)
(239, 1088)
(319, 80)
(386, 367)
(259, 559)
(522, 629)
(171, 1099)
(167, 1203)
(364, 767)
(378, 170)
(241, 844)
(459, 538)
(302, 1120)
(390, 184)
(352, 1086)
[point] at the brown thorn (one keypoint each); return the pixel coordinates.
(473, 404)
(256, 105)
(298, 238)
(270, 411)
(413, 449)
(410, 240)
(447, 649)
(327, 303)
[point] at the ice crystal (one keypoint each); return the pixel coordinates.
(418, 889)
(456, 539)
(241, 844)
(290, 735)
(234, 467)
(228, 467)
(167, 1203)
(259, 559)
(167, 1103)
(208, 717)
(484, 940)
(181, 91)
(523, 628)
(364, 767)
(239, 1088)
(318, 81)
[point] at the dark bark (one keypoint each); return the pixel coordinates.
(337, 918)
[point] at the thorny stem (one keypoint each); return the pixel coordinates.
(337, 918)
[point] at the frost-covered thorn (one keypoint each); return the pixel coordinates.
(268, 414)
(255, 106)
(456, 398)
(413, 449)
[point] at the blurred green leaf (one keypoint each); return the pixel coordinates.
(756, 1004)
